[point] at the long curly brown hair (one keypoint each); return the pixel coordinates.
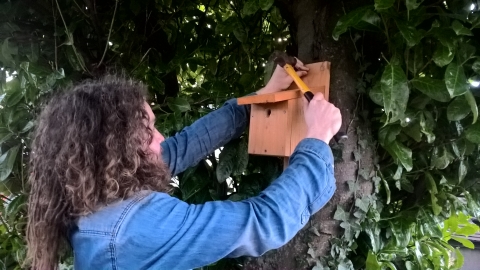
(90, 148)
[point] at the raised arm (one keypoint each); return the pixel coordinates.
(217, 128)
(195, 142)
(182, 236)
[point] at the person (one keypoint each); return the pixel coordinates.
(100, 181)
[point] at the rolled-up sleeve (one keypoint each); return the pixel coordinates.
(185, 236)
(210, 132)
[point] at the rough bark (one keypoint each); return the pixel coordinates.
(311, 24)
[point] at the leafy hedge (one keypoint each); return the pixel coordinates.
(422, 77)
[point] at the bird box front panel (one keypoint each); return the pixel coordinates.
(269, 130)
(277, 121)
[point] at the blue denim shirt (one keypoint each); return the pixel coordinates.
(153, 230)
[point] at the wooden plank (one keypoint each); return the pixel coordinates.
(268, 129)
(288, 130)
(318, 79)
(277, 121)
(318, 76)
(270, 98)
(298, 129)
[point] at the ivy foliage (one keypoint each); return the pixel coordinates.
(421, 84)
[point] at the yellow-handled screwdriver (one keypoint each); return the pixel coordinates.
(280, 60)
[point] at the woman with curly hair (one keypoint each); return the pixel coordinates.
(100, 183)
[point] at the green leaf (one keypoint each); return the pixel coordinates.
(250, 7)
(465, 242)
(429, 225)
(458, 109)
(427, 125)
(462, 171)
(476, 66)
(155, 83)
(376, 94)
(395, 92)
(437, 209)
(441, 157)
(388, 134)
(266, 4)
(473, 105)
(414, 131)
(430, 182)
(459, 147)
(409, 33)
(389, 265)
(340, 214)
(383, 4)
(7, 51)
(312, 253)
(372, 262)
(468, 230)
(398, 173)
(460, 29)
(402, 232)
(450, 225)
(363, 203)
(465, 52)
(353, 186)
(233, 160)
(13, 98)
(473, 133)
(433, 88)
(455, 80)
(412, 4)
(246, 80)
(227, 26)
(401, 153)
(28, 126)
(387, 190)
(446, 36)
(241, 159)
(178, 104)
(416, 59)
(406, 185)
(226, 163)
(72, 58)
(16, 204)
(361, 18)
(5, 134)
(7, 160)
(443, 55)
(445, 252)
(459, 260)
(373, 232)
(240, 33)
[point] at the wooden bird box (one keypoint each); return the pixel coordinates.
(277, 123)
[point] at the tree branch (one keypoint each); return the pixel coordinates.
(109, 33)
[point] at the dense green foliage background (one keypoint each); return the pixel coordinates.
(423, 77)
(416, 59)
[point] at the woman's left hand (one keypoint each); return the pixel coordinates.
(280, 79)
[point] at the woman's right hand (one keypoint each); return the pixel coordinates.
(322, 117)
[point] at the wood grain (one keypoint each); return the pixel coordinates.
(277, 122)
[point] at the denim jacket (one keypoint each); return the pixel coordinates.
(152, 230)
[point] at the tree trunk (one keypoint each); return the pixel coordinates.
(311, 24)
